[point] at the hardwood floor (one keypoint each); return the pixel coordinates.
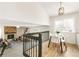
(72, 51)
(16, 51)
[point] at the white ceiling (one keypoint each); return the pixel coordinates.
(23, 12)
(28, 13)
(52, 7)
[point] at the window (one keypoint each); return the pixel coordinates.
(66, 25)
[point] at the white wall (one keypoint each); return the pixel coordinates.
(77, 30)
(39, 28)
(2, 31)
(69, 37)
(20, 31)
(33, 29)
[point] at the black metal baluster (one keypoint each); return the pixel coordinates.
(31, 47)
(23, 45)
(36, 47)
(27, 46)
(40, 46)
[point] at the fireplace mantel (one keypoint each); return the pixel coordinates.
(10, 30)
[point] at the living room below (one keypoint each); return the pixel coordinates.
(13, 32)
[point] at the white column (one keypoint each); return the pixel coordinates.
(2, 32)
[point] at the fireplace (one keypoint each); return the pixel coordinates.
(10, 36)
